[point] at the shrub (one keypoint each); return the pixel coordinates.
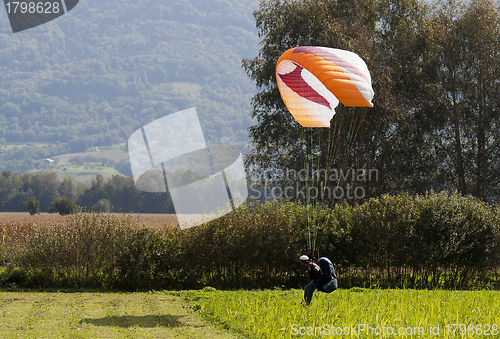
(32, 205)
(255, 246)
(428, 241)
(63, 205)
(436, 240)
(82, 252)
(151, 259)
(103, 205)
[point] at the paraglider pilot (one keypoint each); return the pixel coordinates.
(322, 276)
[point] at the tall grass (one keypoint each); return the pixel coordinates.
(370, 313)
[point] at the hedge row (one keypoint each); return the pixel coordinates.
(437, 240)
(249, 248)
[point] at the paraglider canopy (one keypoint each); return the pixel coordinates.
(313, 80)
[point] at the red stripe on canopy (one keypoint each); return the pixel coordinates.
(296, 83)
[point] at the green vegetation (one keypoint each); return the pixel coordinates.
(63, 206)
(188, 88)
(88, 177)
(46, 187)
(93, 78)
(100, 315)
(33, 157)
(29, 156)
(435, 73)
(249, 314)
(32, 205)
(279, 314)
(426, 242)
(119, 154)
(81, 174)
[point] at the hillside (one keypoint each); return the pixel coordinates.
(98, 73)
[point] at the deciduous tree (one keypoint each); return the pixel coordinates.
(32, 205)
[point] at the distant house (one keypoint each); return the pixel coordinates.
(49, 161)
(93, 149)
(2, 150)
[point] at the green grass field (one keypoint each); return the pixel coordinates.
(84, 173)
(113, 155)
(81, 173)
(356, 313)
(100, 315)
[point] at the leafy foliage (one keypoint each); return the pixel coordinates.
(32, 205)
(435, 72)
(432, 241)
(79, 252)
(356, 312)
(103, 205)
(117, 192)
(63, 206)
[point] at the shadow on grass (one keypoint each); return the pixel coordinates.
(126, 321)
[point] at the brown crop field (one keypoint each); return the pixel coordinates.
(152, 220)
(26, 218)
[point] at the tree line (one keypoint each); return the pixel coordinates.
(117, 193)
(435, 71)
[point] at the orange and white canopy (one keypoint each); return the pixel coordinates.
(312, 80)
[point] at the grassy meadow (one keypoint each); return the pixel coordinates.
(100, 315)
(84, 173)
(360, 313)
(210, 313)
(80, 173)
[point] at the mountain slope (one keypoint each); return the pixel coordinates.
(98, 73)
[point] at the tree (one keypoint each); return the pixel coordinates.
(67, 187)
(436, 75)
(46, 188)
(388, 36)
(467, 89)
(32, 205)
(103, 205)
(64, 206)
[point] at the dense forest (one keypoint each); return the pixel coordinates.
(117, 193)
(95, 75)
